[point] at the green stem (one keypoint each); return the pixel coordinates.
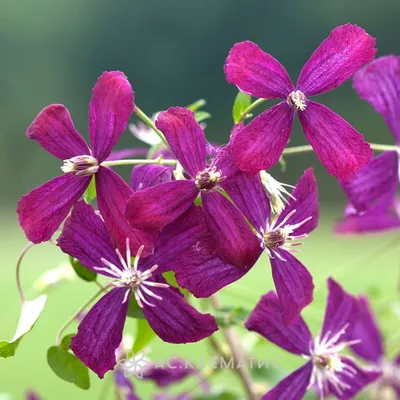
(251, 107)
(150, 124)
(18, 268)
(158, 160)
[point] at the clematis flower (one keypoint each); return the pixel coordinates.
(338, 145)
(156, 207)
(43, 209)
(204, 273)
(86, 238)
(374, 205)
(327, 370)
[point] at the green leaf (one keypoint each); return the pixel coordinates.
(170, 278)
(229, 316)
(217, 396)
(242, 102)
(144, 335)
(66, 341)
(134, 311)
(201, 116)
(197, 105)
(30, 313)
(84, 273)
(90, 193)
(68, 367)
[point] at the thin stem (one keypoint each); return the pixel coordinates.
(237, 355)
(81, 309)
(150, 124)
(251, 107)
(18, 268)
(382, 147)
(158, 160)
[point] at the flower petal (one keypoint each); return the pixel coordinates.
(294, 285)
(266, 320)
(175, 321)
(260, 144)
(236, 244)
(345, 51)
(379, 84)
(337, 144)
(85, 237)
(109, 110)
(43, 209)
(144, 176)
(100, 332)
(124, 386)
(366, 329)
(257, 73)
(112, 196)
(156, 207)
(293, 387)
(54, 130)
(185, 137)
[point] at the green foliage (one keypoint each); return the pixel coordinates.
(242, 102)
(217, 396)
(144, 335)
(197, 105)
(90, 193)
(84, 273)
(230, 316)
(202, 115)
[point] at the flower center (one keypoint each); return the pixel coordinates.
(207, 180)
(297, 100)
(81, 165)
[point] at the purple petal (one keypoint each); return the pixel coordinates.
(260, 144)
(337, 144)
(85, 237)
(112, 196)
(185, 137)
(54, 130)
(235, 242)
(127, 153)
(175, 321)
(306, 204)
(376, 179)
(31, 395)
(341, 310)
(109, 110)
(100, 332)
(124, 386)
(346, 50)
(144, 176)
(379, 84)
(366, 329)
(257, 73)
(156, 207)
(266, 320)
(293, 387)
(294, 285)
(43, 209)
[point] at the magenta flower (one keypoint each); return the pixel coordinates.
(156, 207)
(338, 145)
(43, 209)
(374, 205)
(86, 238)
(326, 370)
(204, 273)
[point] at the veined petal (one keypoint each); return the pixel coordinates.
(43, 209)
(341, 149)
(266, 320)
(260, 144)
(157, 206)
(54, 130)
(100, 332)
(236, 244)
(112, 196)
(294, 285)
(175, 321)
(86, 238)
(144, 176)
(366, 329)
(345, 51)
(379, 84)
(257, 73)
(293, 387)
(109, 110)
(185, 137)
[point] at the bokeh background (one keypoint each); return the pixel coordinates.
(173, 53)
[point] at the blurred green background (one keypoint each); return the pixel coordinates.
(173, 53)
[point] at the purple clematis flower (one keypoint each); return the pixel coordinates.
(156, 207)
(326, 370)
(86, 238)
(338, 145)
(374, 205)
